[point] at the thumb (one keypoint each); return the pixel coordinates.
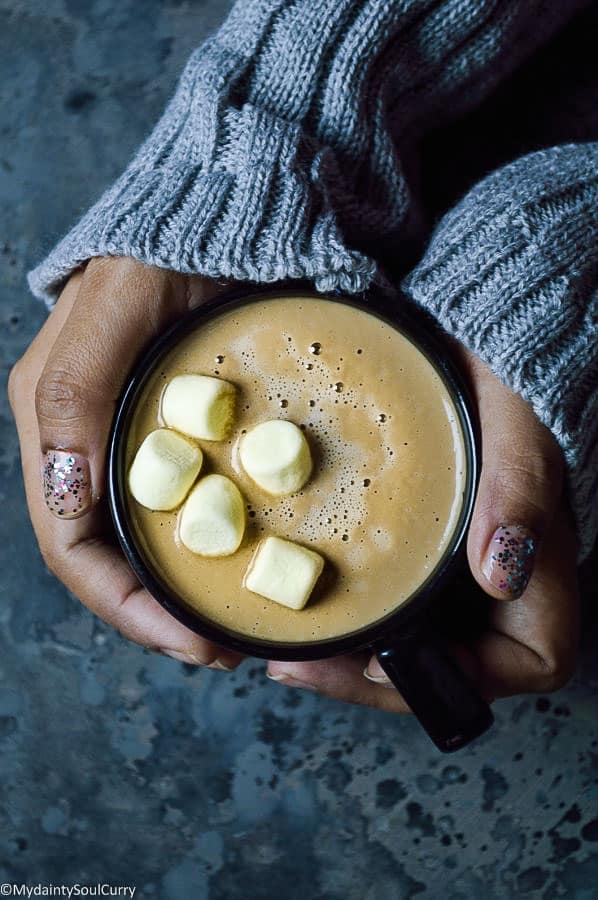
(520, 487)
(121, 304)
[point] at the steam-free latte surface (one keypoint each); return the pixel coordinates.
(387, 484)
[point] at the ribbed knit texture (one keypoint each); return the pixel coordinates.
(280, 157)
(512, 272)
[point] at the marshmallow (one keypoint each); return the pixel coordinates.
(164, 468)
(212, 522)
(276, 456)
(284, 572)
(200, 406)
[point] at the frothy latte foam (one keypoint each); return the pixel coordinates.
(388, 480)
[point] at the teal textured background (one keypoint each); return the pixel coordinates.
(124, 767)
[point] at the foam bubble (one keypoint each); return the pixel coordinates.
(325, 425)
(381, 538)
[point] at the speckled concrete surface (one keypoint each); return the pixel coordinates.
(122, 767)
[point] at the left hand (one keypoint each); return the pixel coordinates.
(531, 639)
(63, 393)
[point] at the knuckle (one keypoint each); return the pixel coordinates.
(539, 466)
(59, 397)
(528, 477)
(557, 666)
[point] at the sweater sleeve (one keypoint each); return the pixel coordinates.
(277, 156)
(512, 272)
(280, 157)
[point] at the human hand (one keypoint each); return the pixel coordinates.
(531, 637)
(63, 393)
(123, 305)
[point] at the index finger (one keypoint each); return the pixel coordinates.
(532, 643)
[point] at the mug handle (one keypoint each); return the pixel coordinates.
(439, 693)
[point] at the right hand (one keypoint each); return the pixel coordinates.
(529, 645)
(63, 394)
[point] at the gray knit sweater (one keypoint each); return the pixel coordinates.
(286, 152)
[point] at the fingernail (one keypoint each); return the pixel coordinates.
(510, 559)
(185, 656)
(283, 678)
(375, 677)
(182, 656)
(66, 483)
(218, 664)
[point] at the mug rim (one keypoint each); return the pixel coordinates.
(406, 319)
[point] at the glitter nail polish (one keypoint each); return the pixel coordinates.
(66, 483)
(510, 559)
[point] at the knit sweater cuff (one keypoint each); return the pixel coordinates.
(274, 158)
(217, 190)
(512, 272)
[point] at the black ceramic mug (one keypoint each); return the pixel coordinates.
(406, 641)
